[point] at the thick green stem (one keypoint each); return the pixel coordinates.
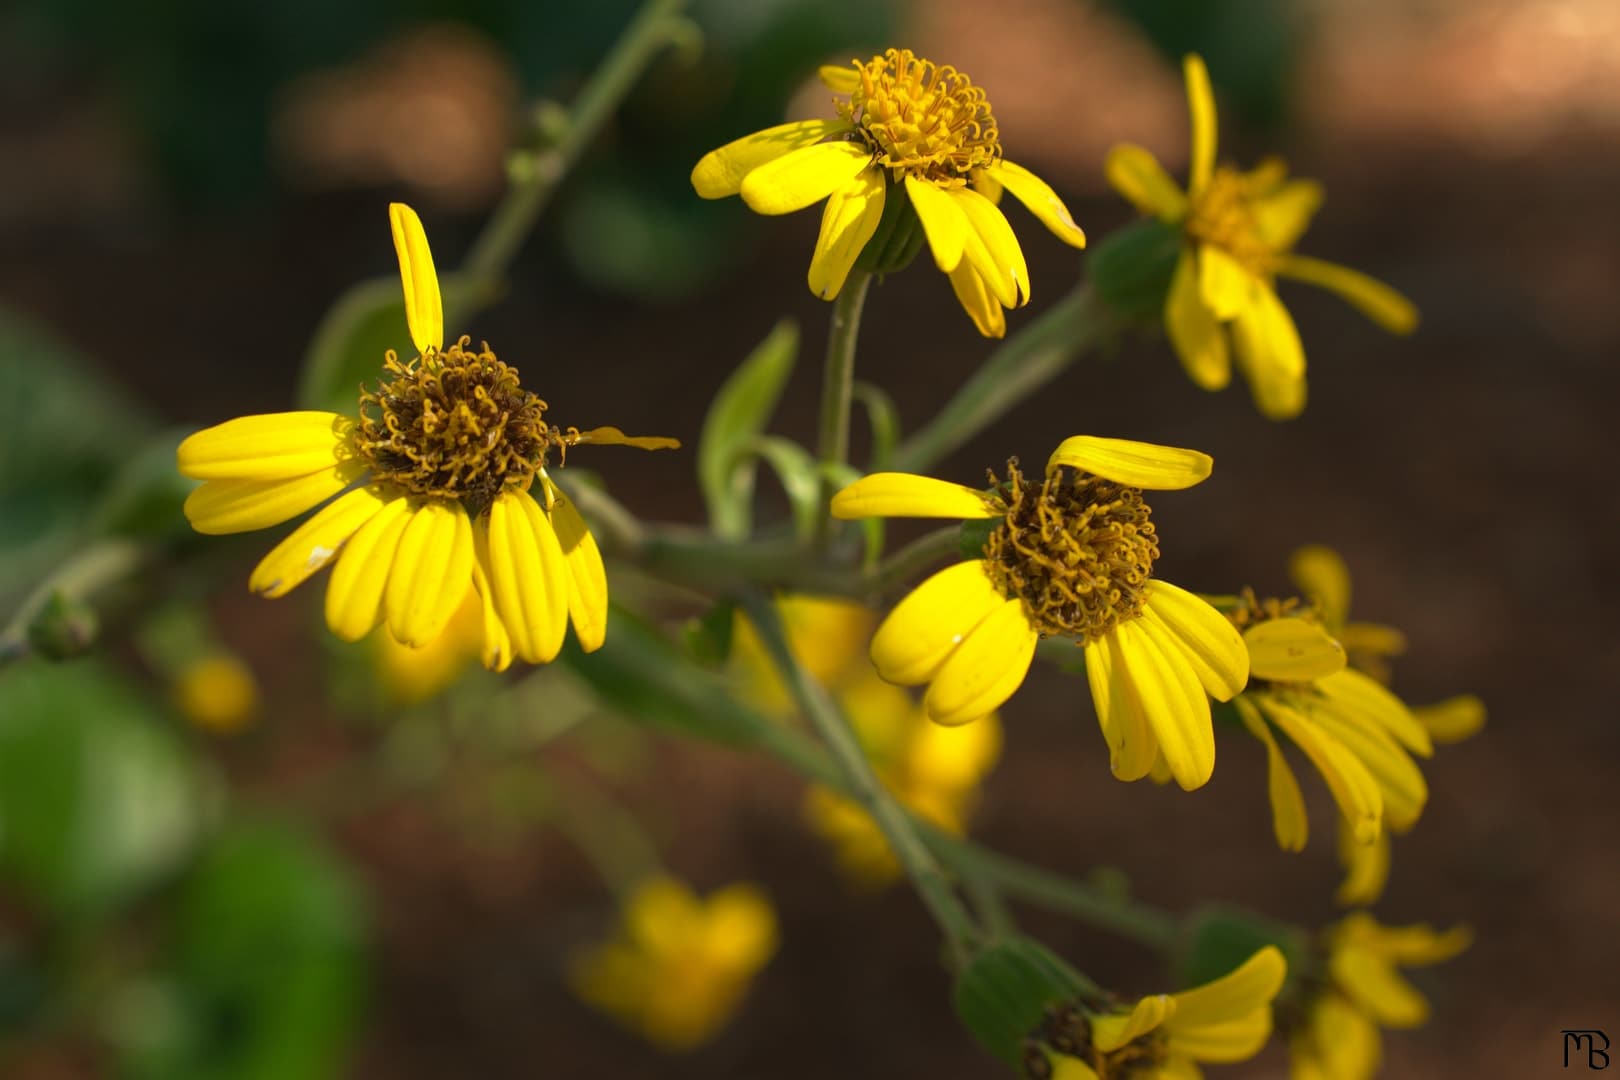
(837, 389)
(1023, 364)
(862, 783)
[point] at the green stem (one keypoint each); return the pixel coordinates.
(1022, 365)
(658, 25)
(862, 783)
(85, 573)
(837, 389)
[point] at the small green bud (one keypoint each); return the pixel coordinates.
(63, 628)
(899, 236)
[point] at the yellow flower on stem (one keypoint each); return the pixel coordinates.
(914, 142)
(1069, 557)
(1239, 231)
(679, 965)
(1168, 1036)
(1339, 1037)
(432, 483)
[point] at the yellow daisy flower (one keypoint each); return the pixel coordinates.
(679, 965)
(1239, 230)
(1071, 557)
(1166, 1036)
(914, 142)
(433, 494)
(1340, 1038)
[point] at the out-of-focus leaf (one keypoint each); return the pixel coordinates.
(738, 415)
(1220, 939)
(708, 637)
(1004, 992)
(1131, 269)
(264, 963)
(98, 799)
(144, 497)
(885, 421)
(974, 534)
(798, 473)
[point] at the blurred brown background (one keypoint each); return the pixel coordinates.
(1471, 154)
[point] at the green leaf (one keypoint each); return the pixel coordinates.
(1220, 939)
(1003, 994)
(974, 535)
(796, 470)
(708, 637)
(1131, 269)
(738, 415)
(144, 497)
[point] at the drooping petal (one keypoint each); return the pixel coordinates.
(848, 222)
(1137, 175)
(1201, 114)
(1359, 695)
(804, 176)
(1172, 699)
(1366, 869)
(496, 653)
(1179, 1068)
(720, 173)
(1039, 198)
(926, 626)
(1322, 577)
(1109, 1033)
(987, 185)
(893, 494)
(1134, 464)
(431, 574)
(942, 220)
(270, 446)
(313, 544)
(993, 249)
(1209, 640)
(985, 669)
(1340, 1037)
(232, 506)
(974, 296)
(1234, 996)
(1288, 818)
(424, 311)
(1292, 650)
(1282, 215)
(1199, 340)
(1353, 788)
(587, 577)
(528, 575)
(612, 436)
(1372, 638)
(354, 593)
(1379, 302)
(1378, 989)
(1132, 750)
(1452, 720)
(1271, 356)
(839, 78)
(1227, 1042)
(1400, 781)
(1226, 287)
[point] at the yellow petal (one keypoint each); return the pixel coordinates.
(983, 671)
(1132, 749)
(928, 625)
(1373, 638)
(496, 653)
(1366, 869)
(1360, 695)
(1039, 199)
(804, 176)
(1065, 1067)
(1452, 720)
(720, 172)
(1400, 781)
(313, 544)
(271, 446)
(848, 222)
(1292, 650)
(1413, 946)
(1109, 1033)
(1179, 1068)
(528, 575)
(992, 248)
(1199, 340)
(942, 220)
(612, 436)
(1353, 788)
(840, 78)
(1231, 1041)
(1380, 303)
(354, 593)
(891, 494)
(1134, 464)
(1201, 112)
(740, 931)
(1172, 700)
(974, 296)
(987, 185)
(664, 917)
(424, 311)
(1233, 996)
(1137, 175)
(587, 577)
(1343, 1039)
(1282, 215)
(1225, 286)
(1288, 818)
(1209, 640)
(232, 506)
(1322, 578)
(431, 574)
(1373, 984)
(1271, 356)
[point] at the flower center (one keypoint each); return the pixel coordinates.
(454, 424)
(1078, 550)
(923, 119)
(1065, 1031)
(1251, 609)
(1222, 217)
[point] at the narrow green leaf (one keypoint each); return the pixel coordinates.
(738, 415)
(798, 473)
(1004, 993)
(885, 420)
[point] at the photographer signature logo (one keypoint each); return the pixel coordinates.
(1585, 1040)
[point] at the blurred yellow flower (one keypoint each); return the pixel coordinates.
(435, 476)
(1071, 557)
(827, 636)
(914, 142)
(1339, 1038)
(217, 692)
(678, 966)
(1239, 230)
(409, 676)
(1168, 1036)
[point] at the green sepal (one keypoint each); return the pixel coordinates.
(1005, 991)
(974, 535)
(737, 417)
(899, 236)
(1219, 939)
(1131, 269)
